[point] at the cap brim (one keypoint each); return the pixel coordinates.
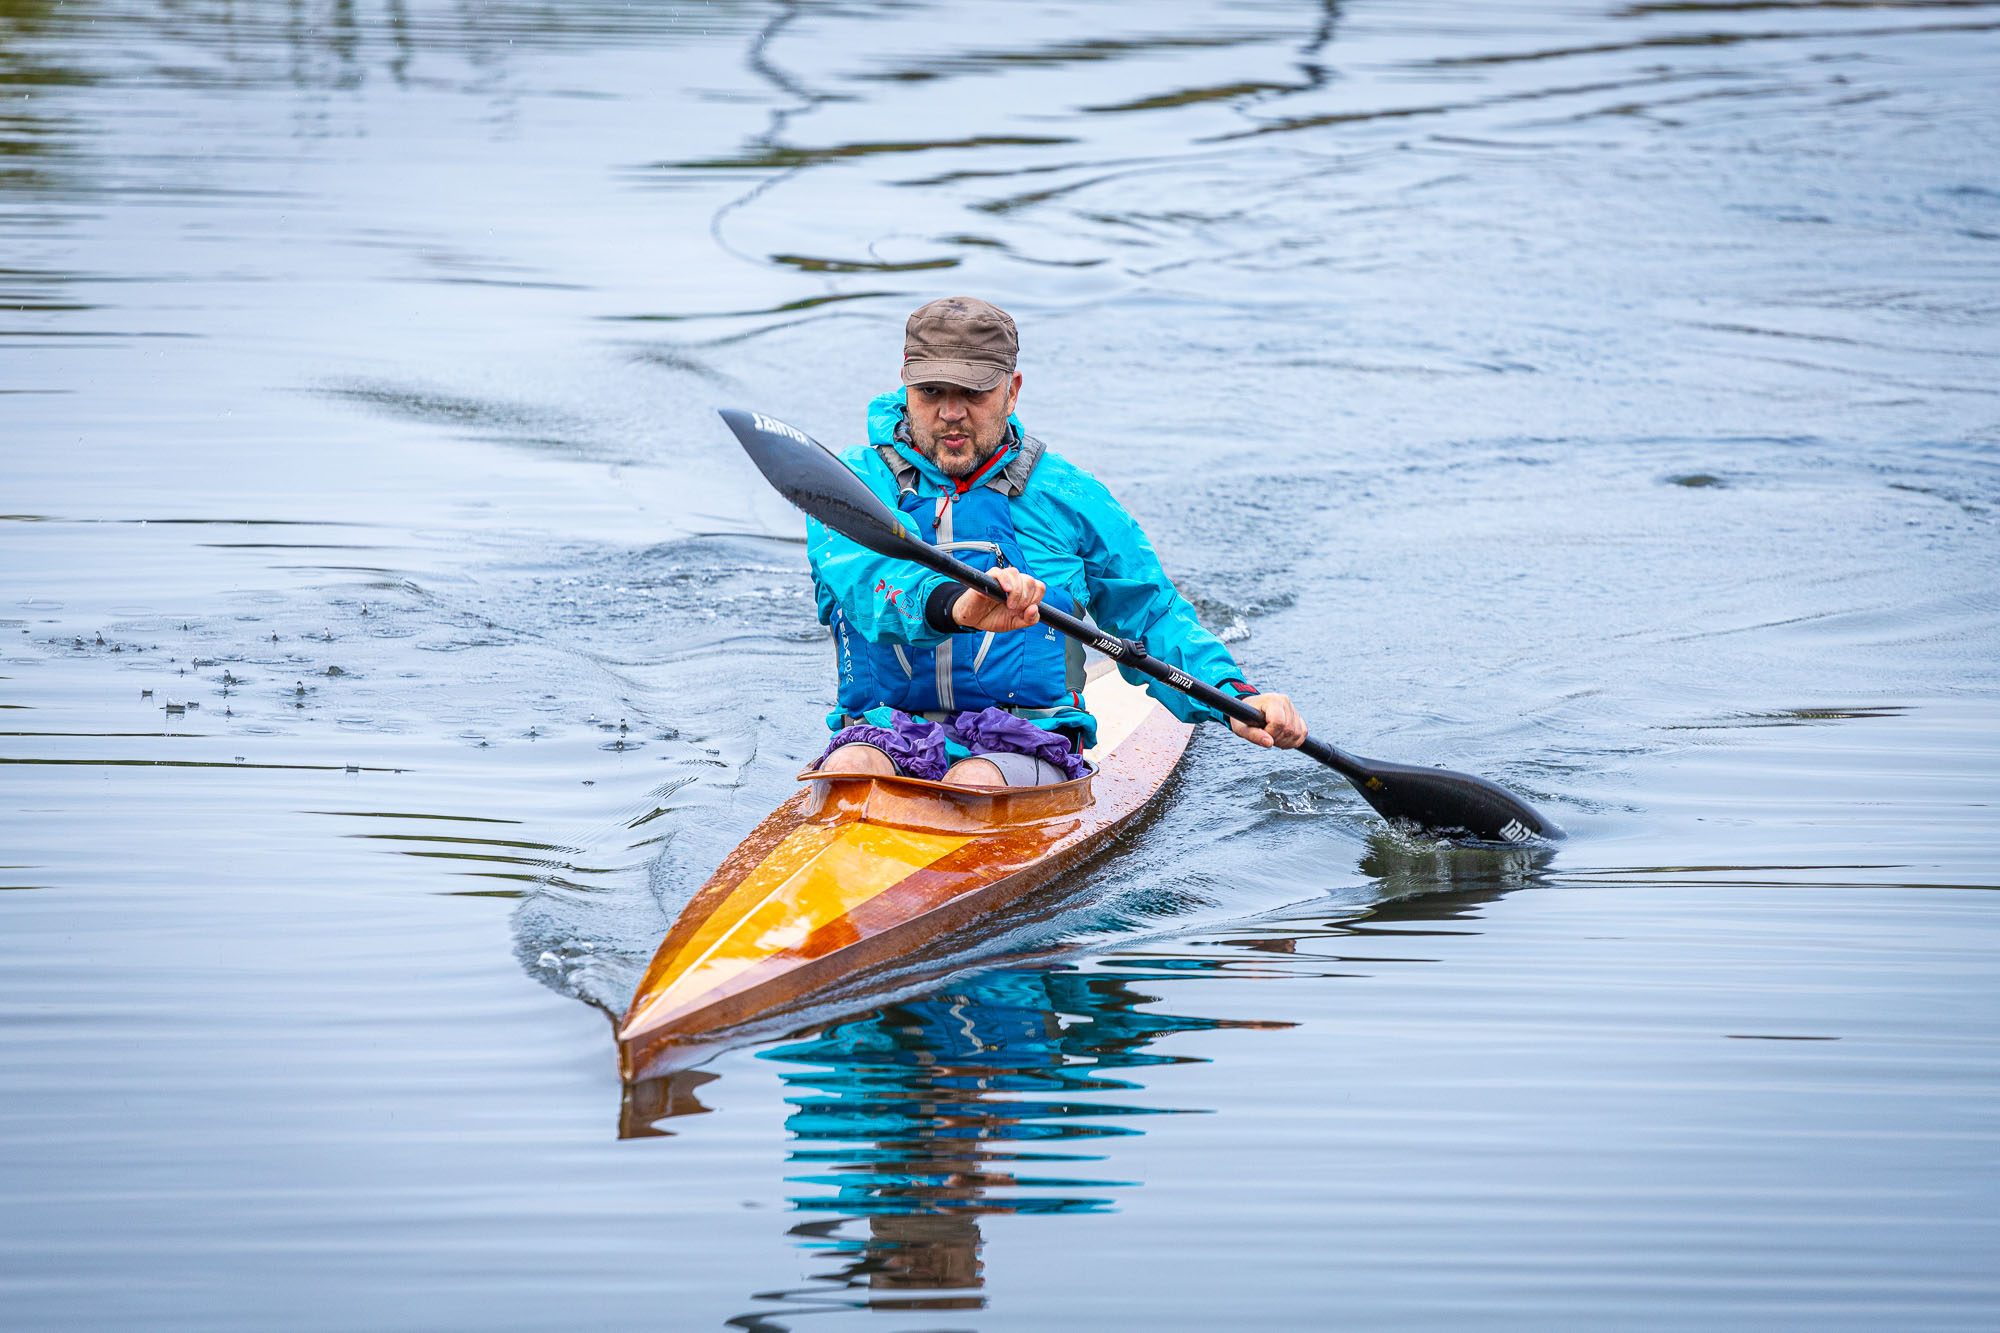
(965, 374)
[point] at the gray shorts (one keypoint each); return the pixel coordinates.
(1023, 770)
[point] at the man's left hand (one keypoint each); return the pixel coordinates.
(1283, 727)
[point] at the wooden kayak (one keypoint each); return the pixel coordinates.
(857, 871)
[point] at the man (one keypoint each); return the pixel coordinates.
(948, 451)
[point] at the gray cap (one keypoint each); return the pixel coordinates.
(959, 340)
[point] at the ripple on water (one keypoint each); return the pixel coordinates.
(1598, 399)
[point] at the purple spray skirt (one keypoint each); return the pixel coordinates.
(920, 748)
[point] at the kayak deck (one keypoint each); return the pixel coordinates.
(857, 870)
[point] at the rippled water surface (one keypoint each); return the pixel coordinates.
(1598, 396)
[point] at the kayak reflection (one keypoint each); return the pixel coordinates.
(913, 1120)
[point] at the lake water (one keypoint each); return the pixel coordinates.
(1597, 396)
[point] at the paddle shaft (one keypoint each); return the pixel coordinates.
(1130, 653)
(814, 479)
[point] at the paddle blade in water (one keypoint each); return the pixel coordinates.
(1446, 804)
(811, 477)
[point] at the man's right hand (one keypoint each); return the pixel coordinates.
(1283, 727)
(978, 612)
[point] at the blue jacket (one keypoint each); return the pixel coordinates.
(1028, 672)
(1074, 537)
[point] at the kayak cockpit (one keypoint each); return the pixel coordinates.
(937, 807)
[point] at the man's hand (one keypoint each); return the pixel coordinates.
(978, 612)
(1283, 727)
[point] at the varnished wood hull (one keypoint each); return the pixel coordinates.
(857, 872)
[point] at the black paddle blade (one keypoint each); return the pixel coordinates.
(1445, 804)
(807, 473)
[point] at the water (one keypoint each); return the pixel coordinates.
(1599, 397)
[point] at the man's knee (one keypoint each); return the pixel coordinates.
(975, 773)
(858, 759)
(1004, 769)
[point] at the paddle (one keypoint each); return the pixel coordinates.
(1436, 800)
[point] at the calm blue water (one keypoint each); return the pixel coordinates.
(1600, 397)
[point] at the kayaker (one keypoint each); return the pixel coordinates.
(937, 680)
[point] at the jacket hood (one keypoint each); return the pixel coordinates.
(885, 417)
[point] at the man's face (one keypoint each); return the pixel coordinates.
(958, 429)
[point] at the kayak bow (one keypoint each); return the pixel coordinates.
(857, 871)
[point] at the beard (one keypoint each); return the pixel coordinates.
(958, 457)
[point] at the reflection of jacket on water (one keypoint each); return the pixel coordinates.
(1047, 516)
